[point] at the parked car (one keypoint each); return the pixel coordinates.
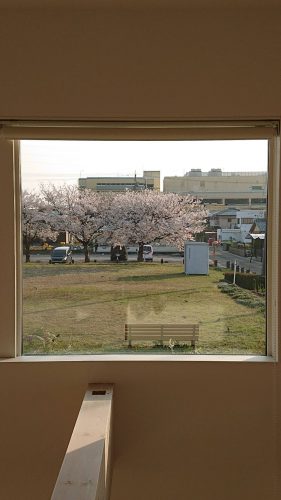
(147, 253)
(61, 255)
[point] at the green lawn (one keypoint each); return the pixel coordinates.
(83, 308)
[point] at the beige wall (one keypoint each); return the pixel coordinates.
(222, 188)
(224, 185)
(197, 430)
(121, 183)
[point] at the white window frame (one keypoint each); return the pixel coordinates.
(10, 135)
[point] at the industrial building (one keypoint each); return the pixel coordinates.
(218, 188)
(149, 180)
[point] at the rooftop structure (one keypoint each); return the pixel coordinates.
(149, 180)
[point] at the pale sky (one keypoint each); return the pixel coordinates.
(62, 162)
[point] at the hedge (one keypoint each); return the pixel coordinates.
(249, 281)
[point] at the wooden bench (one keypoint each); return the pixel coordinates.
(162, 333)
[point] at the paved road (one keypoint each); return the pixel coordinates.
(222, 256)
(99, 257)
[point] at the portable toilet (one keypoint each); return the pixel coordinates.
(196, 257)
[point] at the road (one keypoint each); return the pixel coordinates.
(220, 255)
(100, 257)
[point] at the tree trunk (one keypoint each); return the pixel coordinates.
(86, 252)
(140, 252)
(112, 253)
(26, 247)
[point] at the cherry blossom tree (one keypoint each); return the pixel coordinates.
(140, 217)
(132, 217)
(82, 212)
(34, 224)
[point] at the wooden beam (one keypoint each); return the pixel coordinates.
(85, 471)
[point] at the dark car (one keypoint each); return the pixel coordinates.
(61, 255)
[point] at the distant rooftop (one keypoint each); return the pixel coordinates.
(261, 224)
(146, 174)
(228, 211)
(218, 172)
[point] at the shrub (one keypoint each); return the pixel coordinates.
(243, 297)
(249, 281)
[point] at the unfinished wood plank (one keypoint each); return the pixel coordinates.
(85, 471)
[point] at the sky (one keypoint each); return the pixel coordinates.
(60, 162)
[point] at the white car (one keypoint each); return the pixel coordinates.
(147, 253)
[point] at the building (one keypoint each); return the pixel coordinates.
(224, 219)
(258, 227)
(234, 224)
(234, 218)
(258, 235)
(215, 188)
(206, 429)
(149, 180)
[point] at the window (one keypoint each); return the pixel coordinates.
(258, 201)
(222, 337)
(217, 201)
(237, 201)
(247, 220)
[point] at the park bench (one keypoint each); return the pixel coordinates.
(162, 333)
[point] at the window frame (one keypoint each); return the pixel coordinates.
(12, 133)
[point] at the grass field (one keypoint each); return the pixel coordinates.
(83, 308)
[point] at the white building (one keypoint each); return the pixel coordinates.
(238, 228)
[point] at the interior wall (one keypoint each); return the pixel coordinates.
(198, 430)
(151, 62)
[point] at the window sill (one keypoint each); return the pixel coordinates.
(171, 358)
